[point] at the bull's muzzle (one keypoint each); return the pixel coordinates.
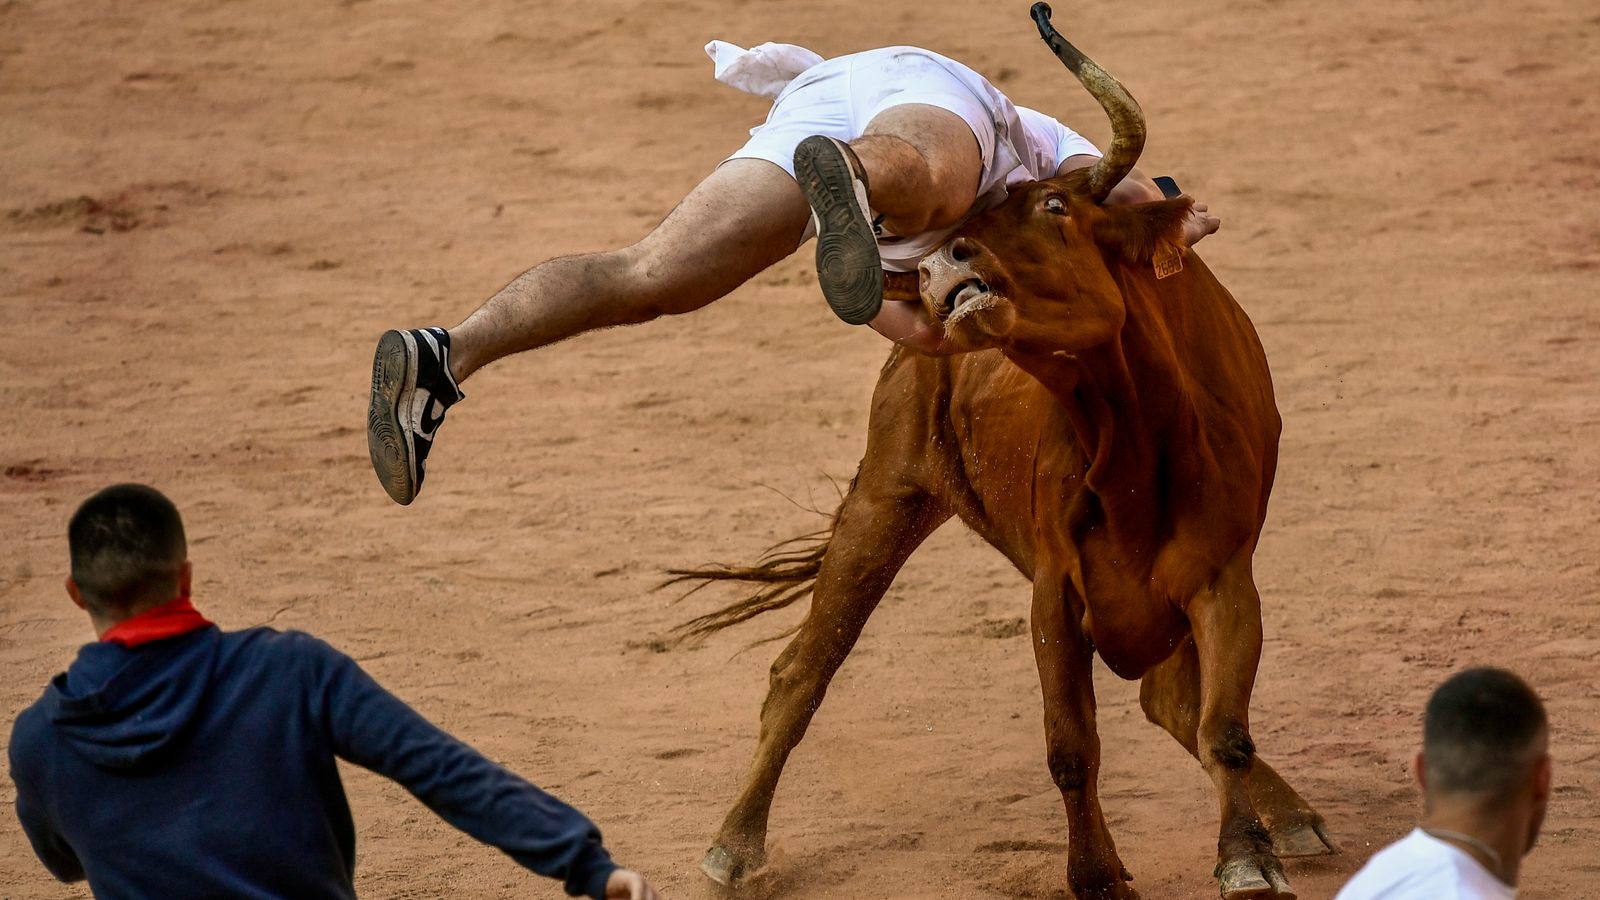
(949, 286)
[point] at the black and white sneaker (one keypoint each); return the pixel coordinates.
(849, 269)
(411, 389)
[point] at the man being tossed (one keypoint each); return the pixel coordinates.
(176, 760)
(880, 155)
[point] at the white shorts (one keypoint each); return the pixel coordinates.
(838, 97)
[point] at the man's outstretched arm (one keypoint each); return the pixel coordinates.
(376, 730)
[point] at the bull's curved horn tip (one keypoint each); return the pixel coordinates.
(1041, 14)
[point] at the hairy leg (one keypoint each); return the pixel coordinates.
(923, 165)
(743, 218)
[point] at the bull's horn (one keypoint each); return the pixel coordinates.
(1127, 122)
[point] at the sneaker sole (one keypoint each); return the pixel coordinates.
(849, 269)
(394, 380)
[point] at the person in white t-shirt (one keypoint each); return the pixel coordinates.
(1484, 768)
(883, 152)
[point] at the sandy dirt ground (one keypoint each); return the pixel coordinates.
(212, 209)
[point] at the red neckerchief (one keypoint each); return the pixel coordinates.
(170, 619)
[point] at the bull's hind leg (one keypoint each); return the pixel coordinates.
(1170, 696)
(878, 527)
(1065, 657)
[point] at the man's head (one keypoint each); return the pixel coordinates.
(128, 552)
(1484, 744)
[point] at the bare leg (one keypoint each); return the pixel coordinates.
(1065, 658)
(1170, 696)
(916, 166)
(743, 218)
(879, 526)
(922, 164)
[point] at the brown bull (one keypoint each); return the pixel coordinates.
(1116, 439)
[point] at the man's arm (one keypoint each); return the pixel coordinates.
(1136, 187)
(48, 844)
(376, 730)
(905, 322)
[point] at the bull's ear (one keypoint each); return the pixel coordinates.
(1139, 232)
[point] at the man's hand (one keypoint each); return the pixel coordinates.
(1199, 224)
(626, 884)
(1137, 187)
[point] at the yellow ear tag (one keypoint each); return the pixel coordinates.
(1167, 261)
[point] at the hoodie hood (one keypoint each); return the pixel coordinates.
(122, 707)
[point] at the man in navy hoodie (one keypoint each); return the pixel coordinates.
(176, 760)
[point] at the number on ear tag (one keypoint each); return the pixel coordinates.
(1167, 261)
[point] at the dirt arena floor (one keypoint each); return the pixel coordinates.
(210, 210)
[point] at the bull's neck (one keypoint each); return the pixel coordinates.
(1125, 401)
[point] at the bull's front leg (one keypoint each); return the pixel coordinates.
(1065, 657)
(1170, 696)
(1226, 620)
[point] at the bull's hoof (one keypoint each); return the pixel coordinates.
(1114, 888)
(1308, 839)
(1254, 878)
(1278, 880)
(724, 866)
(1241, 879)
(1117, 890)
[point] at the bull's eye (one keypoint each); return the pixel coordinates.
(1055, 205)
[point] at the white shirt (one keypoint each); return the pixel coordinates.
(1422, 867)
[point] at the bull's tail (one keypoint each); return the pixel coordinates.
(785, 573)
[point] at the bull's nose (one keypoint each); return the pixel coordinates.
(928, 268)
(946, 257)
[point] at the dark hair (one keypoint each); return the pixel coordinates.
(127, 545)
(1477, 731)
